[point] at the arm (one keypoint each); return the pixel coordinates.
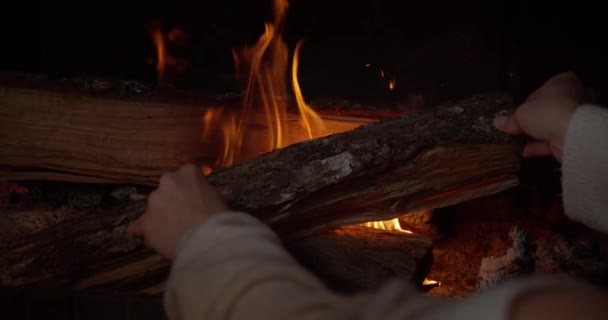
(585, 167)
(575, 134)
(234, 267)
(229, 265)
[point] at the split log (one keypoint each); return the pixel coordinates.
(376, 172)
(46, 244)
(347, 259)
(69, 135)
(352, 259)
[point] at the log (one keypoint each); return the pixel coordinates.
(61, 132)
(379, 171)
(376, 172)
(347, 259)
(46, 244)
(352, 259)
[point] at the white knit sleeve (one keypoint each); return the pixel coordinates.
(585, 167)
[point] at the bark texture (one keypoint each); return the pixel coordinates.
(379, 171)
(66, 134)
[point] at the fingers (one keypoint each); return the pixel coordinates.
(537, 149)
(567, 76)
(508, 124)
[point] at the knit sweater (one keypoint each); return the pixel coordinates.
(234, 267)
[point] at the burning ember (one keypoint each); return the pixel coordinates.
(389, 225)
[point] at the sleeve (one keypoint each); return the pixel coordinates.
(585, 167)
(234, 267)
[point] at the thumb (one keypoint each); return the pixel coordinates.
(507, 123)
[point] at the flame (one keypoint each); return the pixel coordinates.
(161, 51)
(391, 84)
(266, 66)
(168, 65)
(307, 113)
(389, 225)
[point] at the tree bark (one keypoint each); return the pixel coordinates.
(79, 243)
(376, 172)
(66, 134)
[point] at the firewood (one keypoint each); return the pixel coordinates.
(379, 171)
(51, 131)
(346, 259)
(375, 172)
(79, 243)
(351, 259)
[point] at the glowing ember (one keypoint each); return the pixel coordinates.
(389, 225)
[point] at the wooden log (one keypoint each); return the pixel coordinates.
(346, 259)
(67, 134)
(351, 259)
(376, 172)
(46, 244)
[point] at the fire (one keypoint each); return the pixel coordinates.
(307, 113)
(166, 63)
(429, 282)
(389, 225)
(266, 65)
(161, 50)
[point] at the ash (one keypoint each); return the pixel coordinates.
(519, 260)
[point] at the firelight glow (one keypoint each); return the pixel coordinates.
(309, 117)
(389, 225)
(159, 43)
(266, 97)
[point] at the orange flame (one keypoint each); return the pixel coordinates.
(266, 96)
(389, 225)
(168, 65)
(161, 51)
(307, 113)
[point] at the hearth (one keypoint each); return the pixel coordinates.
(364, 139)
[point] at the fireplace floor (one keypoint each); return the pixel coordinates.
(470, 232)
(465, 235)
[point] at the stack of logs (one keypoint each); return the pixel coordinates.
(94, 143)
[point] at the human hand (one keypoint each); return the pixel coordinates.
(545, 115)
(183, 200)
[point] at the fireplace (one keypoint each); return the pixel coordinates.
(316, 87)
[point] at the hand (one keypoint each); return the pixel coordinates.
(545, 115)
(183, 200)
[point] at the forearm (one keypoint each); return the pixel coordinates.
(235, 267)
(585, 167)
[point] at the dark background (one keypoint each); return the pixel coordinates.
(437, 49)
